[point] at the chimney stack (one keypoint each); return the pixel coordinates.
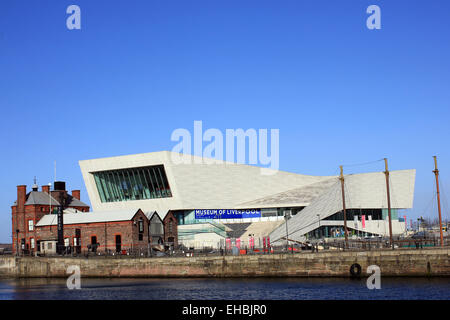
(76, 194)
(46, 188)
(59, 192)
(21, 197)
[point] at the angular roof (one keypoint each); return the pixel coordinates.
(365, 191)
(298, 197)
(88, 217)
(37, 197)
(74, 202)
(43, 198)
(151, 214)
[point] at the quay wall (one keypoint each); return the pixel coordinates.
(422, 262)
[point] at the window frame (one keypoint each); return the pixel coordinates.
(32, 225)
(132, 184)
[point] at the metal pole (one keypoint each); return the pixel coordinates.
(436, 173)
(50, 197)
(343, 206)
(388, 201)
(286, 217)
(287, 241)
(17, 238)
(106, 240)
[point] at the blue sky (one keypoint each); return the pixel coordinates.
(339, 92)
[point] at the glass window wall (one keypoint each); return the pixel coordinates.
(132, 184)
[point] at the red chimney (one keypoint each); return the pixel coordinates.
(21, 197)
(76, 194)
(46, 189)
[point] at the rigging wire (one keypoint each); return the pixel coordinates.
(290, 233)
(430, 203)
(394, 202)
(362, 164)
(445, 206)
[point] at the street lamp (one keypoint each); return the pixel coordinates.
(318, 230)
(419, 220)
(50, 197)
(17, 238)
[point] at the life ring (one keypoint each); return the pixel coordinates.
(355, 270)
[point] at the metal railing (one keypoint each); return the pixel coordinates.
(172, 250)
(376, 243)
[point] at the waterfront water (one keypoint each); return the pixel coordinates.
(226, 289)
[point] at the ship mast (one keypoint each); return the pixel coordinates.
(436, 173)
(341, 177)
(388, 202)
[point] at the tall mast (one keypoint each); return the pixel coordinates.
(436, 173)
(388, 202)
(341, 177)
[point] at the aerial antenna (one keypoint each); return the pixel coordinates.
(55, 170)
(35, 186)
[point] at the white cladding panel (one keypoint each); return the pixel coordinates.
(195, 185)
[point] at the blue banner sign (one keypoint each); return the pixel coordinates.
(227, 213)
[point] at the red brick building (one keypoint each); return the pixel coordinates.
(170, 230)
(30, 207)
(34, 224)
(105, 231)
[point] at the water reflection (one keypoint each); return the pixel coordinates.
(200, 289)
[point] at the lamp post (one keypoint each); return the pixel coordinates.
(287, 216)
(17, 238)
(50, 197)
(318, 220)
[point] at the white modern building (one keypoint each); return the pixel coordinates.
(366, 208)
(215, 200)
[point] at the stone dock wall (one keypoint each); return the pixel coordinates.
(424, 262)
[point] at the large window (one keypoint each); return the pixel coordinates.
(132, 184)
(156, 228)
(352, 213)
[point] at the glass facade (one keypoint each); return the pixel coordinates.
(376, 214)
(132, 184)
(335, 232)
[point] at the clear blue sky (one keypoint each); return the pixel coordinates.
(137, 70)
